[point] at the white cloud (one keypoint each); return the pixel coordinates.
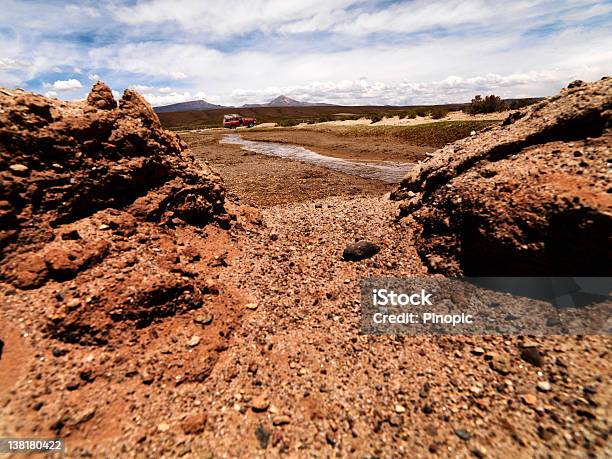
(141, 87)
(566, 55)
(418, 50)
(175, 97)
(177, 75)
(448, 90)
(217, 18)
(353, 17)
(9, 64)
(50, 94)
(64, 85)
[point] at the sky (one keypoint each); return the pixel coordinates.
(350, 52)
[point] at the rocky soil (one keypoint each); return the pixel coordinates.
(530, 197)
(266, 181)
(145, 315)
(110, 232)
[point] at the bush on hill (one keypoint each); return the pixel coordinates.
(489, 104)
(439, 113)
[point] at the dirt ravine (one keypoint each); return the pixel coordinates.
(222, 321)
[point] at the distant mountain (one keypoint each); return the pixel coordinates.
(284, 101)
(186, 106)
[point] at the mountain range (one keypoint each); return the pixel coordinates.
(280, 101)
(186, 106)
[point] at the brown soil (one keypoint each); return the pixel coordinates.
(111, 236)
(355, 148)
(265, 181)
(185, 325)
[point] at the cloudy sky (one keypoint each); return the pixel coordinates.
(338, 51)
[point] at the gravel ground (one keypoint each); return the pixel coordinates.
(289, 373)
(346, 394)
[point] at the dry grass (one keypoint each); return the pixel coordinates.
(436, 134)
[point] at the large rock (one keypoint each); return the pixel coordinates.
(101, 97)
(100, 209)
(529, 197)
(61, 162)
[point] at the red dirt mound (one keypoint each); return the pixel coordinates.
(530, 197)
(103, 213)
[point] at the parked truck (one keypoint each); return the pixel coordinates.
(233, 121)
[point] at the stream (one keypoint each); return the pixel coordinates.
(388, 172)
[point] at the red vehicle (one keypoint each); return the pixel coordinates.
(233, 121)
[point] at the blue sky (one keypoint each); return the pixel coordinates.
(338, 51)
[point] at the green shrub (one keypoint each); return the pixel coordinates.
(375, 118)
(439, 113)
(489, 104)
(422, 112)
(288, 123)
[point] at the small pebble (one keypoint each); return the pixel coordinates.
(529, 399)
(463, 434)
(260, 404)
(478, 351)
(203, 319)
(281, 420)
(18, 168)
(163, 427)
(544, 386)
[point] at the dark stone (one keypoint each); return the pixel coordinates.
(463, 434)
(263, 436)
(71, 235)
(590, 390)
(532, 355)
(57, 352)
(575, 84)
(360, 251)
(73, 385)
(586, 414)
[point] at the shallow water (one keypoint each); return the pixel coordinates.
(385, 171)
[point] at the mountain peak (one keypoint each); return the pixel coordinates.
(283, 100)
(185, 106)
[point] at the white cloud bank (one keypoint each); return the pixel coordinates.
(173, 97)
(406, 92)
(64, 85)
(341, 51)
